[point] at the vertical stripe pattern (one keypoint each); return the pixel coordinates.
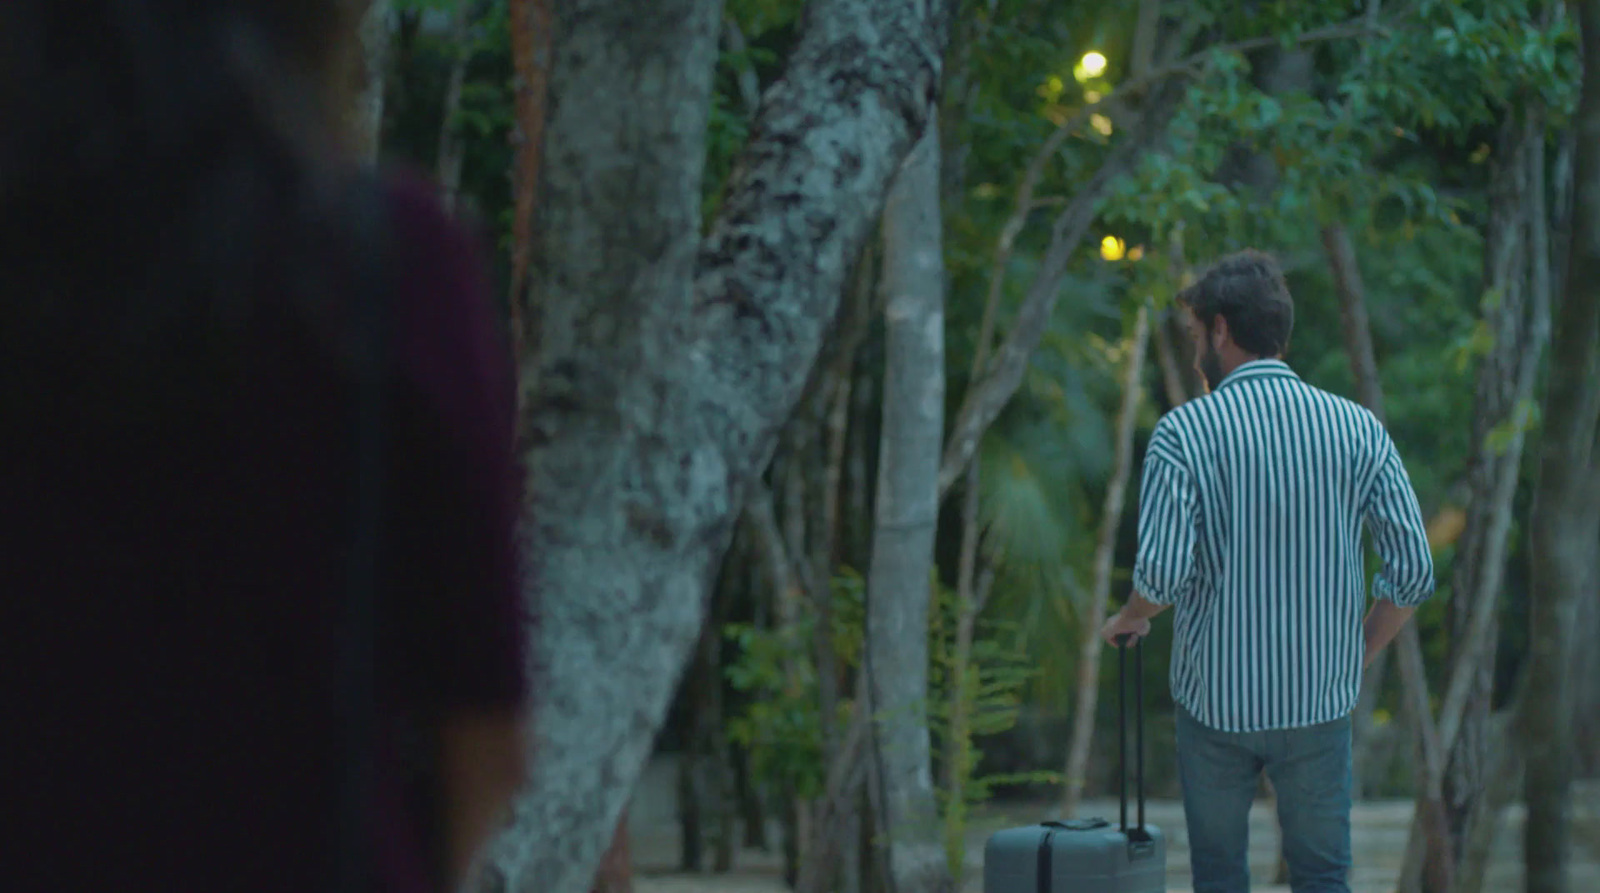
(1251, 505)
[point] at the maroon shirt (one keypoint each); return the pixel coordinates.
(172, 716)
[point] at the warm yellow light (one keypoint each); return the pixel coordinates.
(1100, 123)
(1112, 248)
(1136, 252)
(1094, 64)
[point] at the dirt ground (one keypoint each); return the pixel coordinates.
(1379, 832)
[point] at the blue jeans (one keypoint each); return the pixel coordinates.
(1310, 771)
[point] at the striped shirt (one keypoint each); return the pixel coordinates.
(1250, 516)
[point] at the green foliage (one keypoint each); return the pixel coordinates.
(781, 724)
(972, 695)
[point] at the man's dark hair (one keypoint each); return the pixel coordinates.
(1246, 289)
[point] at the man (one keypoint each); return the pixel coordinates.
(1250, 517)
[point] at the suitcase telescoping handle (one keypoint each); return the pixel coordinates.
(1137, 645)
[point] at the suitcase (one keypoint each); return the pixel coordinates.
(1087, 855)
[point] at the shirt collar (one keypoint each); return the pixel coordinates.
(1264, 368)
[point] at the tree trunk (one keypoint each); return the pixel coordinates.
(1504, 781)
(1172, 379)
(761, 515)
(367, 116)
(668, 363)
(1518, 312)
(1566, 514)
(531, 23)
(1084, 704)
(615, 874)
(1104, 558)
(752, 813)
(1429, 826)
(1480, 553)
(898, 584)
(691, 825)
(1357, 331)
(702, 790)
(1353, 314)
(452, 148)
(956, 745)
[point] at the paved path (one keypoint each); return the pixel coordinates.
(1379, 838)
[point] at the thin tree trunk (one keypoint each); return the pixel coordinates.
(532, 25)
(691, 801)
(967, 608)
(1167, 356)
(898, 587)
(762, 516)
(1505, 780)
(752, 814)
(845, 776)
(1492, 474)
(1430, 825)
(1104, 563)
(1369, 390)
(615, 874)
(749, 84)
(1430, 822)
(1566, 513)
(375, 36)
(452, 148)
(1506, 384)
(1353, 314)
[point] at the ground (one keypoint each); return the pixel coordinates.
(1379, 838)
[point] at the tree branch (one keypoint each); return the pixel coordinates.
(985, 398)
(772, 268)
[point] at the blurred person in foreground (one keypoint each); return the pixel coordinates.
(1250, 516)
(186, 245)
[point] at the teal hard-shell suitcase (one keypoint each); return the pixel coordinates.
(1087, 855)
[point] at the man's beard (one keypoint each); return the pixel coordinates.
(1210, 366)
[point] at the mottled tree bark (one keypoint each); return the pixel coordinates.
(666, 364)
(899, 580)
(1083, 705)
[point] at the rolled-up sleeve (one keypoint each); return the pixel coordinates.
(1398, 534)
(1163, 569)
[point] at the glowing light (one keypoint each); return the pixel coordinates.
(1136, 252)
(1112, 248)
(1091, 96)
(1094, 64)
(1100, 123)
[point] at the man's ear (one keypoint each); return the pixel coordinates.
(1219, 332)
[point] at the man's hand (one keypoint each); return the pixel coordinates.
(1121, 625)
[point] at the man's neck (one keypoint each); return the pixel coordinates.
(1240, 358)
